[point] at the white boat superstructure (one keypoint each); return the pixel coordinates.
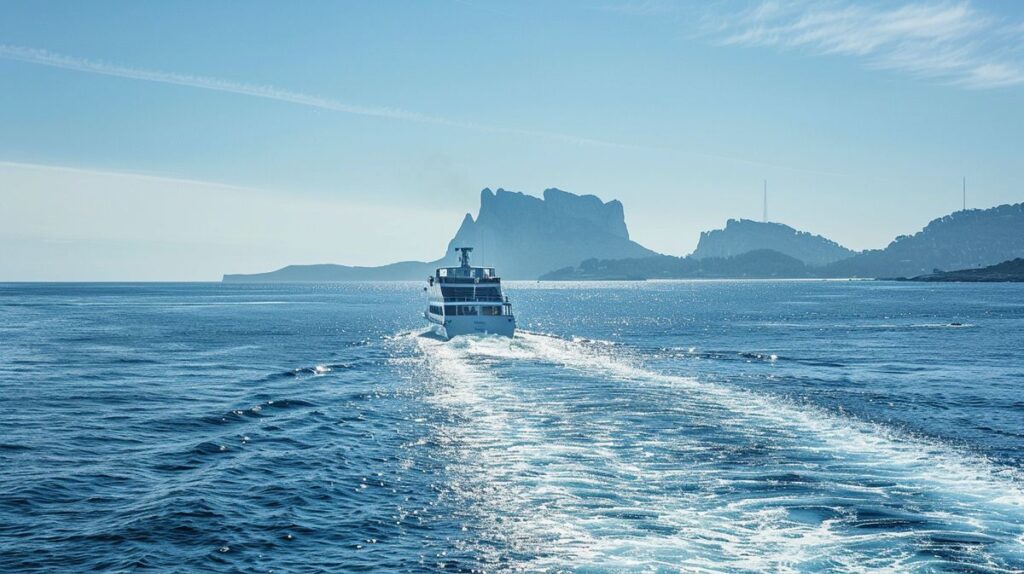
(467, 300)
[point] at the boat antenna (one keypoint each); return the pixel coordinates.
(464, 255)
(764, 213)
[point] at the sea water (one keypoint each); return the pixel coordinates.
(782, 426)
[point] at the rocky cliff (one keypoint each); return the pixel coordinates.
(743, 236)
(521, 235)
(525, 236)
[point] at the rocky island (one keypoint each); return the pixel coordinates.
(525, 236)
(564, 236)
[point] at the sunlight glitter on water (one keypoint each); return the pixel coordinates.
(740, 427)
(765, 485)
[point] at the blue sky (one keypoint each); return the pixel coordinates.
(148, 140)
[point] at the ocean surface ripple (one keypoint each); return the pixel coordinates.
(629, 427)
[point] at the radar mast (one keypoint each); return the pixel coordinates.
(464, 255)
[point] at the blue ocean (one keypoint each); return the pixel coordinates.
(719, 426)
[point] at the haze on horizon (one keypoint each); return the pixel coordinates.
(147, 141)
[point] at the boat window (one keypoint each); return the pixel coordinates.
(461, 310)
(471, 293)
(491, 310)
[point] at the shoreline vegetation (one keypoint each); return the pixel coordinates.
(1006, 272)
(766, 265)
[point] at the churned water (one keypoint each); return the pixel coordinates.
(630, 427)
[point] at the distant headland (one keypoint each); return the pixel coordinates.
(564, 236)
(1007, 271)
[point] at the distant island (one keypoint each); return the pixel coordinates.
(523, 235)
(563, 236)
(1007, 271)
(742, 236)
(965, 239)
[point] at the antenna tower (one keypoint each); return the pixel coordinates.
(764, 211)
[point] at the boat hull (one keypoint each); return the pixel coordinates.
(457, 326)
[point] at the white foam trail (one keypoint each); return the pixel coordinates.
(492, 450)
(563, 503)
(968, 475)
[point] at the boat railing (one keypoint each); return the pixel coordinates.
(468, 280)
(479, 299)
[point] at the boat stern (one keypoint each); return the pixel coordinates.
(500, 325)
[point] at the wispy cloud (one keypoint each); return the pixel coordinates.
(52, 59)
(950, 42)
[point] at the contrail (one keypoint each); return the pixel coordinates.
(47, 58)
(52, 59)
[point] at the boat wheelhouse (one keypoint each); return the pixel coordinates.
(467, 300)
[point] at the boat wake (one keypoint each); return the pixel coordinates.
(575, 456)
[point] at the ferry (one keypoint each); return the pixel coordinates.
(467, 300)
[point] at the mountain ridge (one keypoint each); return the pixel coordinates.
(959, 240)
(527, 237)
